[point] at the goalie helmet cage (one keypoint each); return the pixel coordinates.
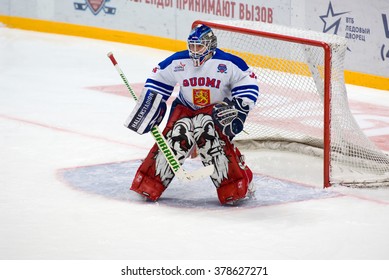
(303, 105)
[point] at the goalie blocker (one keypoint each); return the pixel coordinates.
(185, 129)
(148, 112)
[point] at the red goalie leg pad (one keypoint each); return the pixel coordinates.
(242, 163)
(150, 187)
(231, 176)
(235, 186)
(231, 192)
(150, 183)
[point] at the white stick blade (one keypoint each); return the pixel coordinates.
(198, 174)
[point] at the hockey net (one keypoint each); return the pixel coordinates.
(303, 105)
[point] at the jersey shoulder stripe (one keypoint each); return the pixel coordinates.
(248, 91)
(239, 62)
(160, 84)
(246, 87)
(176, 56)
(162, 88)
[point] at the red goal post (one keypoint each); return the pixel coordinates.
(303, 101)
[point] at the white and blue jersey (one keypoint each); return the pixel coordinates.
(224, 75)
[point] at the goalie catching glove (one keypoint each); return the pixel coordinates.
(148, 112)
(230, 116)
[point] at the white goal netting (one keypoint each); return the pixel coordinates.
(303, 103)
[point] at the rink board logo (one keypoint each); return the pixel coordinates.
(96, 6)
(331, 20)
(345, 24)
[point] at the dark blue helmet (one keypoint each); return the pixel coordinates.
(202, 43)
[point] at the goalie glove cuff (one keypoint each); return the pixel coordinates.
(230, 116)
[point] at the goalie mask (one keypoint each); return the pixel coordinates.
(202, 43)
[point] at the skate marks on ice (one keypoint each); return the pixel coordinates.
(113, 180)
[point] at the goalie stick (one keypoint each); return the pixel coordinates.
(178, 170)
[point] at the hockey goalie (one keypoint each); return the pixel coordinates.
(217, 92)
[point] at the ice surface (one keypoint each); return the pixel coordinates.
(66, 163)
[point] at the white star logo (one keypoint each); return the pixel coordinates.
(331, 20)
